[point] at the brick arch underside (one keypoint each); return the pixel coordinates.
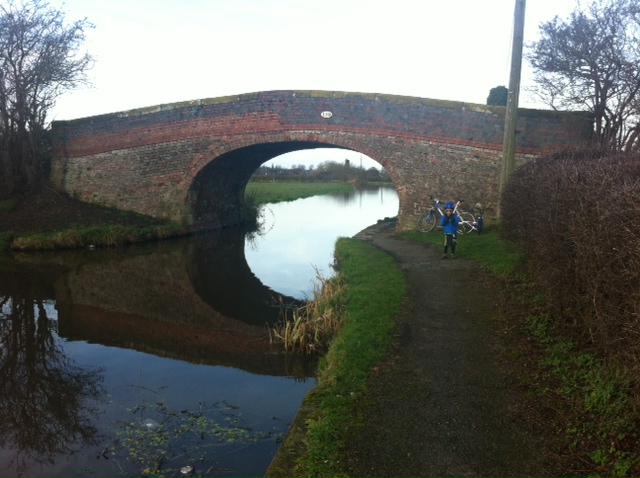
(216, 195)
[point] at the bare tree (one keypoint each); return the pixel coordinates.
(591, 61)
(40, 59)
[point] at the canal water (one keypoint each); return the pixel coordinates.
(119, 362)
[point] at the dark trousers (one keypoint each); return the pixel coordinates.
(450, 241)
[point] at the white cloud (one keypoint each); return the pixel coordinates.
(161, 51)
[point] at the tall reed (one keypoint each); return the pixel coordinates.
(315, 323)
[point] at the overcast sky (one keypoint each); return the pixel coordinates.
(151, 52)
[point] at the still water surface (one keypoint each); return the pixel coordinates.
(115, 361)
(301, 235)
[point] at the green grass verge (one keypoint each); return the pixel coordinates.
(98, 236)
(593, 398)
(263, 193)
(602, 420)
(487, 248)
(115, 234)
(376, 288)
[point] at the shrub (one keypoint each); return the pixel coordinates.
(577, 216)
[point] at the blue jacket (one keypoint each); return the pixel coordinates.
(450, 224)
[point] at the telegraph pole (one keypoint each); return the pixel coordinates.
(511, 118)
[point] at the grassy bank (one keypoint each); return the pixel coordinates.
(262, 193)
(375, 290)
(106, 234)
(95, 236)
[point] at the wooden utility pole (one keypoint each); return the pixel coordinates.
(511, 118)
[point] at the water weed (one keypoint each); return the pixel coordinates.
(160, 441)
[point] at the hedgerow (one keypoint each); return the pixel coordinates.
(577, 216)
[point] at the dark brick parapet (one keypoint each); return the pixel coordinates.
(160, 150)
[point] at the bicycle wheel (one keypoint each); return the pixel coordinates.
(426, 221)
(467, 222)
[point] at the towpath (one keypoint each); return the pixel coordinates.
(445, 402)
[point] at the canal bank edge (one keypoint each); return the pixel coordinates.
(294, 444)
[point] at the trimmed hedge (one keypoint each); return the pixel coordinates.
(577, 214)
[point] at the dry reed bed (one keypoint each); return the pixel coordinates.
(317, 322)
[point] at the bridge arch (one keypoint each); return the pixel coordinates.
(190, 161)
(214, 187)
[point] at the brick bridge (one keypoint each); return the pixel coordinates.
(190, 161)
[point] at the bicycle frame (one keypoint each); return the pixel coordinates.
(437, 206)
(428, 220)
(467, 221)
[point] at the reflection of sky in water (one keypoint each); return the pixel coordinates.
(302, 237)
(304, 232)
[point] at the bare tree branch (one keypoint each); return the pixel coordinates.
(591, 61)
(40, 59)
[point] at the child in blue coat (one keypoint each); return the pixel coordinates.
(449, 223)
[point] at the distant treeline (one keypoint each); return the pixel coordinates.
(326, 171)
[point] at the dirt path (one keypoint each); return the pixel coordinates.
(443, 403)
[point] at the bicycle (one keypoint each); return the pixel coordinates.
(470, 223)
(428, 220)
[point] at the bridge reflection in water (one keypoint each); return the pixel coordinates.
(195, 300)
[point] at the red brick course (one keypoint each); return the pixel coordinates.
(190, 161)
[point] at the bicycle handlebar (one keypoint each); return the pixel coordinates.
(437, 201)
